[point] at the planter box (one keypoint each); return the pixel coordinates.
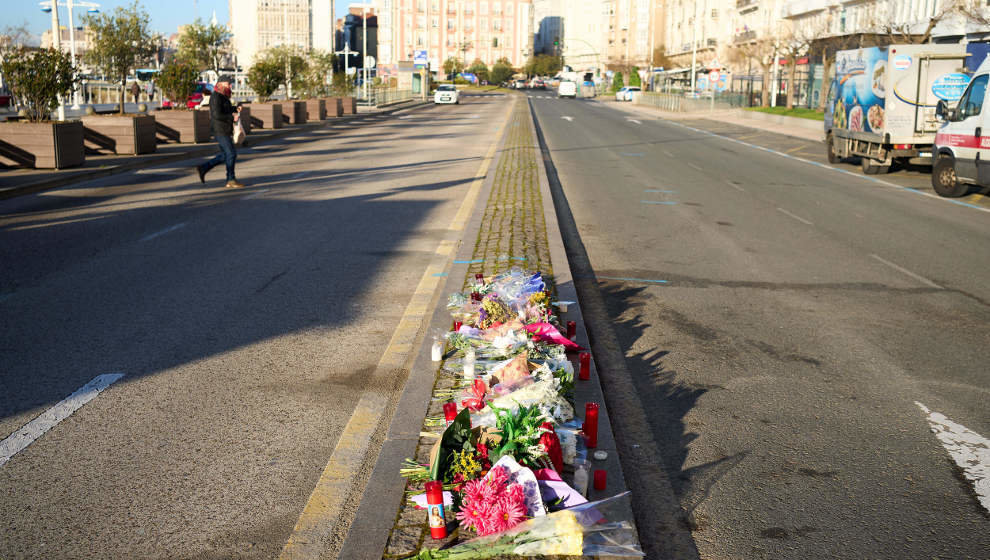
(350, 105)
(316, 109)
(187, 127)
(265, 115)
(48, 145)
(294, 112)
(245, 119)
(119, 134)
(335, 106)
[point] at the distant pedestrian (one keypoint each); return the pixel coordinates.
(135, 90)
(151, 90)
(222, 118)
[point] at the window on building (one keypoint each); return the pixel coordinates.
(420, 5)
(451, 24)
(495, 42)
(435, 22)
(420, 22)
(508, 9)
(714, 13)
(496, 25)
(420, 39)
(483, 8)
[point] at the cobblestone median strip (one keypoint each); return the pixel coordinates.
(513, 232)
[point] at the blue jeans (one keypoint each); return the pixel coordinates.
(227, 155)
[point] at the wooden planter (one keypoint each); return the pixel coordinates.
(187, 127)
(350, 105)
(294, 112)
(48, 145)
(316, 109)
(265, 115)
(245, 118)
(120, 134)
(335, 106)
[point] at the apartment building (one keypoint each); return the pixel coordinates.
(704, 29)
(635, 30)
(548, 26)
(257, 25)
(485, 30)
(83, 36)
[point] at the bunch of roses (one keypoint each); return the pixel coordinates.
(491, 504)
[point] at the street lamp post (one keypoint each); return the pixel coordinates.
(52, 6)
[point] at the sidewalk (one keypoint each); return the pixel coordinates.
(806, 129)
(19, 181)
(515, 226)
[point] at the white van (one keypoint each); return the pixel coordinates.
(567, 89)
(962, 144)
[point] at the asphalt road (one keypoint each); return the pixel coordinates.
(246, 323)
(782, 324)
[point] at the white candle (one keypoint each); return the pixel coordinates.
(436, 351)
(581, 469)
(469, 370)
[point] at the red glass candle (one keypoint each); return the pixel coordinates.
(479, 277)
(571, 329)
(475, 296)
(590, 427)
(601, 478)
(434, 510)
(457, 325)
(585, 372)
(449, 413)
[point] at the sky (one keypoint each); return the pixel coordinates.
(166, 15)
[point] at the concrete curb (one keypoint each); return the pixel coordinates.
(196, 150)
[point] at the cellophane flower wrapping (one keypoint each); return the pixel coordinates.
(602, 528)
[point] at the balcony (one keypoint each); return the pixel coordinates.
(746, 6)
(744, 36)
(800, 8)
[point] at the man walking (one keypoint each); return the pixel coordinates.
(222, 117)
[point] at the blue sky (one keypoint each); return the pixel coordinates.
(166, 15)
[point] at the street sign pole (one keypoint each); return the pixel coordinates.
(713, 77)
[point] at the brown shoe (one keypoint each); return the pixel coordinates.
(234, 184)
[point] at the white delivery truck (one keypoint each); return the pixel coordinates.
(881, 104)
(962, 145)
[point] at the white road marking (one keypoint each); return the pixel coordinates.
(567, 118)
(917, 277)
(668, 154)
(694, 166)
(20, 439)
(632, 120)
(836, 169)
(255, 194)
(798, 218)
(735, 186)
(163, 232)
(967, 448)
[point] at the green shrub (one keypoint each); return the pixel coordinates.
(37, 78)
(617, 82)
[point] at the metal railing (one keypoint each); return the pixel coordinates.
(380, 96)
(676, 103)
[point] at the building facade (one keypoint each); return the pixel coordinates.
(257, 25)
(83, 36)
(635, 29)
(469, 30)
(548, 26)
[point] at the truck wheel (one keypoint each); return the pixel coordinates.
(870, 168)
(944, 179)
(830, 150)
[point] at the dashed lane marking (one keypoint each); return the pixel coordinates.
(967, 448)
(735, 186)
(30, 432)
(798, 218)
(829, 167)
(907, 272)
(160, 233)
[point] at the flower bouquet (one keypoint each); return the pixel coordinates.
(591, 529)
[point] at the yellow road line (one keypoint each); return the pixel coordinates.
(336, 484)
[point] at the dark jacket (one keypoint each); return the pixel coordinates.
(222, 114)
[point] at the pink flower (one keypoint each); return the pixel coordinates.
(472, 515)
(474, 490)
(510, 513)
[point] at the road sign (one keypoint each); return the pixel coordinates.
(420, 59)
(713, 76)
(369, 61)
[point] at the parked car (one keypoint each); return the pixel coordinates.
(962, 148)
(196, 97)
(537, 84)
(626, 93)
(519, 84)
(446, 93)
(567, 89)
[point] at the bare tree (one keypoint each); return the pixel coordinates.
(763, 52)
